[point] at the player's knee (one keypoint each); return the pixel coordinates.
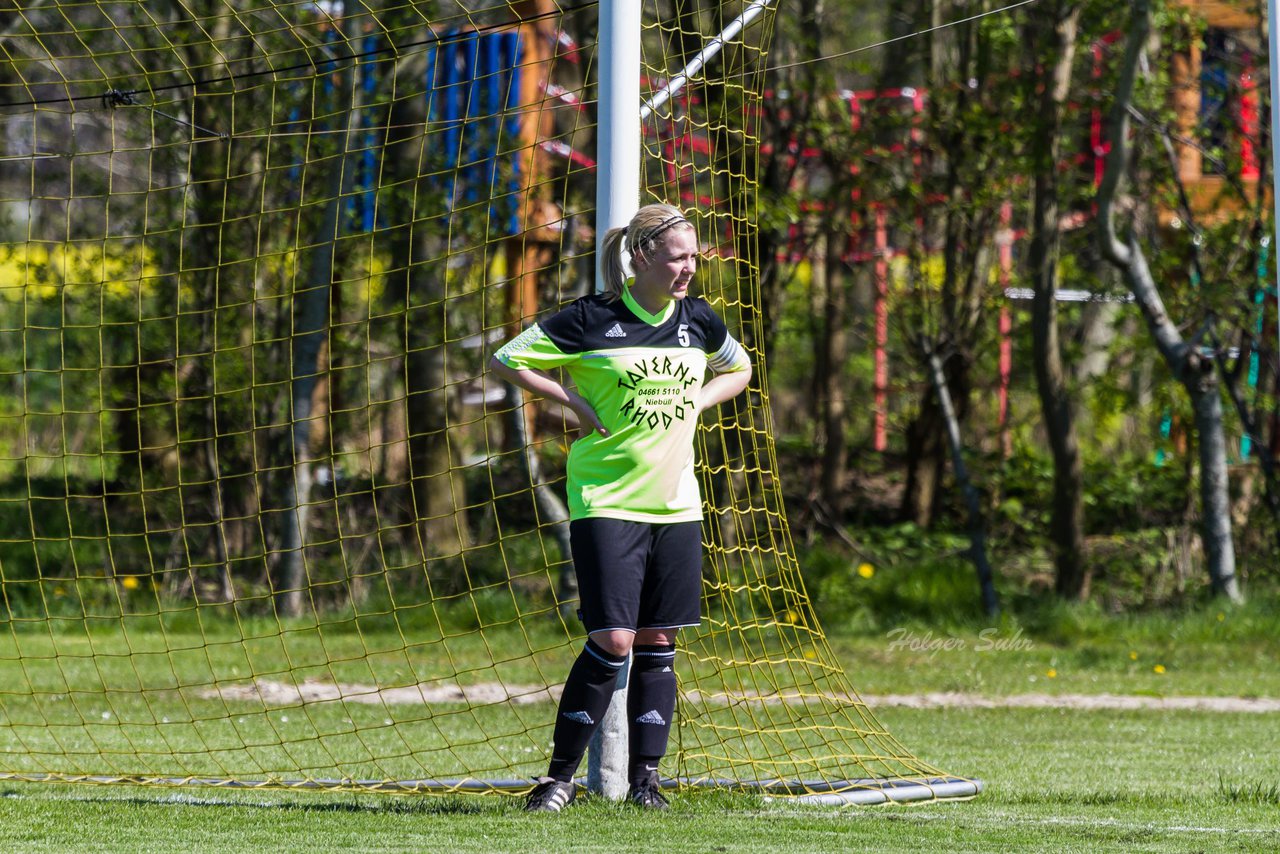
(656, 637)
(614, 641)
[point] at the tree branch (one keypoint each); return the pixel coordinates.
(1118, 156)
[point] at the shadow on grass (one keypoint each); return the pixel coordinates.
(401, 804)
(361, 803)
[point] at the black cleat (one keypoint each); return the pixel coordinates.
(648, 794)
(550, 795)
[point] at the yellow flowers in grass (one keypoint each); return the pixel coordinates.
(1157, 669)
(130, 582)
(1051, 673)
(866, 570)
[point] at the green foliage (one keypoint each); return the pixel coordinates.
(902, 575)
(1122, 494)
(908, 575)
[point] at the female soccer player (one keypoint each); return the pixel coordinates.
(638, 354)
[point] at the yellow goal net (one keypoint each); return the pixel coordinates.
(264, 519)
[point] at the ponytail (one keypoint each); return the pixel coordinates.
(615, 277)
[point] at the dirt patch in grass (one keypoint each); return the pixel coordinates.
(956, 699)
(275, 693)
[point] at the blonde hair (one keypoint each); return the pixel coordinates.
(639, 238)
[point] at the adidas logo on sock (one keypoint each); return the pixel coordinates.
(581, 717)
(615, 331)
(651, 717)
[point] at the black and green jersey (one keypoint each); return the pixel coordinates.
(642, 374)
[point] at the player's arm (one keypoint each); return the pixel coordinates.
(724, 387)
(544, 385)
(732, 369)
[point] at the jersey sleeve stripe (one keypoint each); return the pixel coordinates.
(532, 348)
(519, 344)
(731, 357)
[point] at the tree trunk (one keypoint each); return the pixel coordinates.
(418, 286)
(819, 330)
(835, 343)
(438, 500)
(973, 503)
(310, 330)
(784, 122)
(1193, 370)
(309, 335)
(205, 237)
(420, 260)
(1215, 500)
(968, 230)
(1097, 332)
(924, 462)
(927, 442)
(1054, 36)
(966, 264)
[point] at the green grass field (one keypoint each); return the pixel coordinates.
(1056, 779)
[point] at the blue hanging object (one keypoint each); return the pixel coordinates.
(490, 108)
(473, 120)
(1166, 430)
(511, 111)
(1260, 301)
(473, 84)
(367, 178)
(451, 131)
(471, 139)
(295, 168)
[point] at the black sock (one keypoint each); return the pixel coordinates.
(586, 697)
(651, 703)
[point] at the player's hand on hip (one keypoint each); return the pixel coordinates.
(588, 421)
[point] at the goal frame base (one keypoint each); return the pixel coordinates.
(868, 791)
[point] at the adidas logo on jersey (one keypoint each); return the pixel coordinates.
(651, 717)
(579, 717)
(615, 331)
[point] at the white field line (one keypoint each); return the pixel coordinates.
(271, 692)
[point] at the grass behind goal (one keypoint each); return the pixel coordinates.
(254, 483)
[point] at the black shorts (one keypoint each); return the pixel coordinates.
(637, 575)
